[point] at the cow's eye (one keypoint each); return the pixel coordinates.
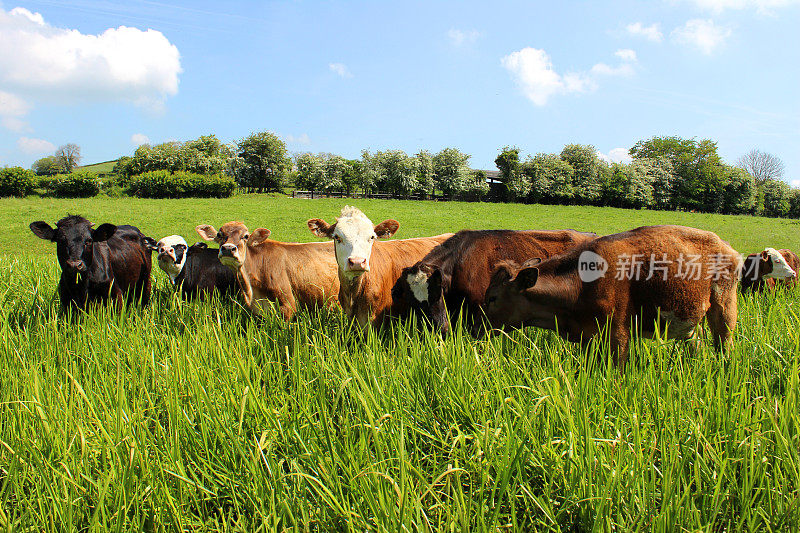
(246, 236)
(336, 238)
(491, 299)
(373, 237)
(87, 242)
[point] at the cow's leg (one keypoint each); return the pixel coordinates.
(288, 307)
(620, 341)
(721, 317)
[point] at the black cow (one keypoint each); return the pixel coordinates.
(108, 261)
(196, 269)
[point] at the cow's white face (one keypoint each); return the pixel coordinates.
(780, 268)
(353, 236)
(172, 255)
(418, 283)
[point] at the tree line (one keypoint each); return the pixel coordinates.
(667, 172)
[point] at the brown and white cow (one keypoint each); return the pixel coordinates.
(766, 269)
(368, 268)
(672, 276)
(292, 274)
(456, 273)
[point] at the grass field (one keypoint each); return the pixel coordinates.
(99, 168)
(195, 416)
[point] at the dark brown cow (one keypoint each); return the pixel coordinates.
(292, 274)
(97, 264)
(672, 276)
(457, 272)
(766, 269)
(368, 268)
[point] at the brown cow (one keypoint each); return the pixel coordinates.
(291, 274)
(672, 276)
(457, 272)
(368, 269)
(765, 269)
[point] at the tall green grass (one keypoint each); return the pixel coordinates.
(195, 416)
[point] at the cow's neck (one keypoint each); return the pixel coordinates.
(352, 298)
(243, 276)
(561, 291)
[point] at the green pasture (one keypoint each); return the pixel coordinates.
(286, 218)
(198, 417)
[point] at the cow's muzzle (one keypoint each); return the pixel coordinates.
(357, 265)
(74, 265)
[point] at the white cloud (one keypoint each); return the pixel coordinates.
(462, 37)
(795, 183)
(138, 139)
(626, 54)
(65, 65)
(12, 109)
(616, 155)
(762, 6)
(702, 34)
(340, 69)
(651, 32)
(533, 71)
(303, 138)
(35, 146)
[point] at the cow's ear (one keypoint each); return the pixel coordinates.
(503, 272)
(320, 228)
(258, 236)
(150, 243)
(196, 247)
(527, 277)
(387, 228)
(103, 232)
(765, 255)
(206, 231)
(43, 230)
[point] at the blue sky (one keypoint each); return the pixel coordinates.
(342, 76)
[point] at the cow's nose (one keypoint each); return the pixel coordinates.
(227, 249)
(76, 264)
(357, 263)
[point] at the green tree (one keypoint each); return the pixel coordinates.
(261, 162)
(585, 163)
(451, 171)
(740, 192)
(638, 185)
(698, 180)
(550, 178)
(48, 166)
(309, 172)
(423, 165)
(776, 198)
(517, 185)
(794, 204)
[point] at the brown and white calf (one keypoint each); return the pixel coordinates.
(670, 276)
(291, 274)
(766, 269)
(455, 274)
(369, 268)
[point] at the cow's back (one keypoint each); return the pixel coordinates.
(131, 260)
(472, 261)
(202, 273)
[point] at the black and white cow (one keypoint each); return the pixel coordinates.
(97, 264)
(196, 269)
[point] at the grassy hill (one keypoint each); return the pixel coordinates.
(99, 168)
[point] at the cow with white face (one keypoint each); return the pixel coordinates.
(195, 269)
(171, 254)
(369, 268)
(353, 236)
(769, 267)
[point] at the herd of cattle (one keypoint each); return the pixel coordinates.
(495, 277)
